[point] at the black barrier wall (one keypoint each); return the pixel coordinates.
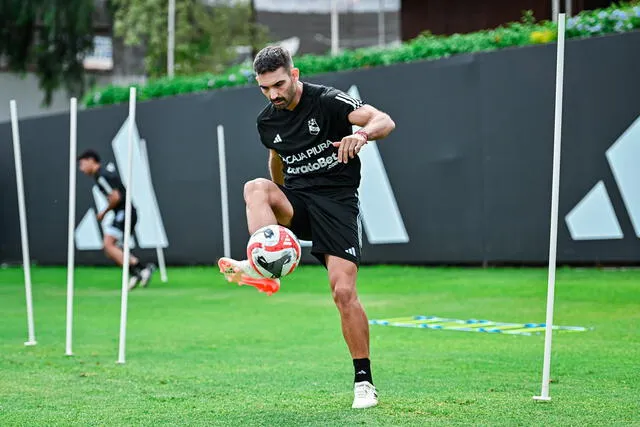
(469, 165)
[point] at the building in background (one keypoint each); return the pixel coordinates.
(110, 62)
(310, 22)
(465, 16)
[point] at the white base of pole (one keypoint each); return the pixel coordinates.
(162, 265)
(542, 398)
(30, 343)
(68, 354)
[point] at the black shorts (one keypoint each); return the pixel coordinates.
(116, 228)
(330, 219)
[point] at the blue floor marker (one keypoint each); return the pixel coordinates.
(472, 325)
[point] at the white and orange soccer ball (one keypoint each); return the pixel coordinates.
(273, 251)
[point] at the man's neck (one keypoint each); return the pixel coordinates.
(296, 99)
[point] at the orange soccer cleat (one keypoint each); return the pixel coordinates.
(240, 272)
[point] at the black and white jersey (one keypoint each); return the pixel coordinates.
(107, 181)
(303, 138)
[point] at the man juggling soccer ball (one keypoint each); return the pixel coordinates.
(313, 192)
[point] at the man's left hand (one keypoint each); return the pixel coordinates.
(349, 147)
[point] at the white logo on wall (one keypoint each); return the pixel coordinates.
(594, 218)
(150, 230)
(314, 129)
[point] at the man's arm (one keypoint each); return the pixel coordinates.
(113, 199)
(374, 124)
(275, 167)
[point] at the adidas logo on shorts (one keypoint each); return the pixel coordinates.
(277, 139)
(351, 251)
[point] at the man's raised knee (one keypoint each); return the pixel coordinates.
(257, 188)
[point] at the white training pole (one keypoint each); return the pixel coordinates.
(159, 251)
(335, 31)
(555, 195)
(555, 9)
(381, 24)
(162, 265)
(171, 31)
(72, 221)
(26, 261)
(224, 197)
(127, 227)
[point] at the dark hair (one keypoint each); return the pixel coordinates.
(271, 58)
(89, 154)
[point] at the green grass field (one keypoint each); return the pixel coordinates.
(203, 352)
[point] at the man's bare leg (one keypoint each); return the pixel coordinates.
(355, 327)
(114, 253)
(266, 205)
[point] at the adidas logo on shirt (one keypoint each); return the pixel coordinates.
(277, 139)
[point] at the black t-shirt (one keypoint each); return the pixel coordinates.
(303, 138)
(108, 181)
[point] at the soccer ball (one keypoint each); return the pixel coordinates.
(273, 251)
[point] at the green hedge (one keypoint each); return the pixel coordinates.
(615, 19)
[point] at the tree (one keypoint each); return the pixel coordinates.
(49, 36)
(205, 36)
